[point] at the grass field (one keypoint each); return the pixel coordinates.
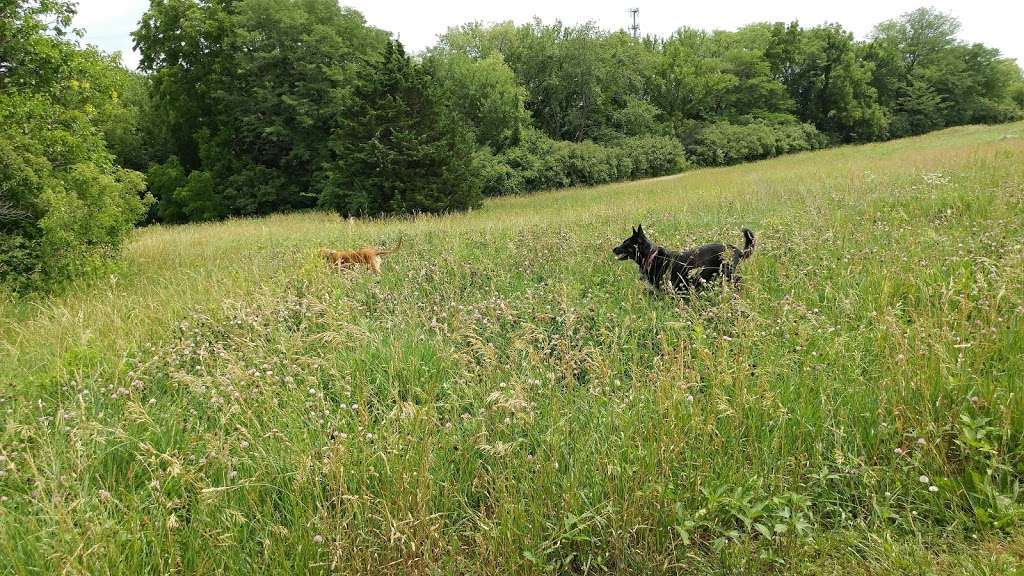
(507, 398)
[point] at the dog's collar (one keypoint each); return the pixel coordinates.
(650, 259)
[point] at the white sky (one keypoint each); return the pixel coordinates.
(996, 23)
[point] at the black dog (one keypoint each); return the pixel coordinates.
(689, 269)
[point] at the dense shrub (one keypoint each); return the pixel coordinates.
(64, 205)
(540, 163)
(724, 142)
(1017, 95)
(653, 156)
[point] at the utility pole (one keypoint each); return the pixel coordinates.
(635, 28)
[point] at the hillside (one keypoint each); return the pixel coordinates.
(507, 398)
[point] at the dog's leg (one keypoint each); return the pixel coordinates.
(375, 264)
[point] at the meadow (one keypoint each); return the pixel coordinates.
(506, 398)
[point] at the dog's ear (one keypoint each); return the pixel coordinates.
(634, 230)
(640, 229)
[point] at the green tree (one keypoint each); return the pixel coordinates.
(64, 203)
(247, 92)
(486, 93)
(721, 75)
(928, 79)
(576, 77)
(398, 148)
(829, 83)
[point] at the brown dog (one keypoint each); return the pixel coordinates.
(349, 258)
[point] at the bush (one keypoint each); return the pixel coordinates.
(988, 111)
(63, 203)
(725, 143)
(163, 180)
(653, 156)
(191, 198)
(1017, 95)
(539, 163)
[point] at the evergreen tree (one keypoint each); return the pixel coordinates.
(398, 149)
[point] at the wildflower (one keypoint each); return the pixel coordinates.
(689, 397)
(920, 441)
(104, 496)
(898, 451)
(318, 539)
(311, 391)
(933, 488)
(923, 479)
(243, 444)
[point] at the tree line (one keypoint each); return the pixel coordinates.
(247, 107)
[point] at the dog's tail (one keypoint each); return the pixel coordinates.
(738, 254)
(748, 244)
(393, 250)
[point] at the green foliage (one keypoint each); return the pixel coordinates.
(994, 495)
(65, 206)
(707, 76)
(829, 83)
(918, 110)
(723, 142)
(575, 77)
(649, 156)
(163, 180)
(63, 202)
(736, 514)
(399, 149)
(264, 98)
(486, 93)
(540, 163)
(927, 79)
(33, 49)
(1017, 93)
(249, 93)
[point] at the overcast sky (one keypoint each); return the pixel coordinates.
(108, 24)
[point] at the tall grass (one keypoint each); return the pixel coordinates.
(507, 398)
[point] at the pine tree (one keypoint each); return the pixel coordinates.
(398, 149)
